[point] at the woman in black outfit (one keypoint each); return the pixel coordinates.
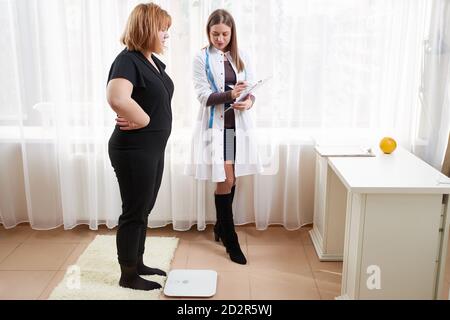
(140, 92)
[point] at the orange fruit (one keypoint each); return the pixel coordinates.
(388, 145)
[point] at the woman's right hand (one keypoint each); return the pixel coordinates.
(238, 89)
(126, 125)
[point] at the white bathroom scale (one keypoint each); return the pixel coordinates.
(191, 283)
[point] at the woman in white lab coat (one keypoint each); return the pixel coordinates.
(223, 144)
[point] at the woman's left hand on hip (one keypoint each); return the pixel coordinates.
(126, 125)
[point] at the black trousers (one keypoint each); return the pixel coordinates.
(138, 161)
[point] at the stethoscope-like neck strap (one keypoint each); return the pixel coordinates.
(210, 77)
(209, 72)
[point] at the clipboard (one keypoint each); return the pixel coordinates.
(249, 90)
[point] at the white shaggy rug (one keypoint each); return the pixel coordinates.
(95, 276)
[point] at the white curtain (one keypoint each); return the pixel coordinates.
(434, 121)
(343, 72)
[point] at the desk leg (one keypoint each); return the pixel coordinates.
(351, 265)
(445, 223)
(327, 234)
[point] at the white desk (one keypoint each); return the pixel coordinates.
(386, 216)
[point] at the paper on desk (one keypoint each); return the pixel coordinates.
(344, 151)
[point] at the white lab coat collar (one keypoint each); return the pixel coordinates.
(214, 51)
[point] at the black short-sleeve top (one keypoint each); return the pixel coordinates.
(152, 90)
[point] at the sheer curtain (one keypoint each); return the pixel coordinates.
(433, 127)
(343, 72)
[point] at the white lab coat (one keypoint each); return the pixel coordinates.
(206, 154)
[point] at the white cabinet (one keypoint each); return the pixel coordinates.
(387, 218)
(392, 248)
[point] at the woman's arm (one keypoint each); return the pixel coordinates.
(219, 98)
(227, 96)
(118, 94)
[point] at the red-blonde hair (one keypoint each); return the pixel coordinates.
(144, 23)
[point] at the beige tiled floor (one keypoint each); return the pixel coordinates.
(281, 264)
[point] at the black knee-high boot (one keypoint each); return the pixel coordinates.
(227, 232)
(217, 225)
(129, 278)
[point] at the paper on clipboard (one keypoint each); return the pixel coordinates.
(251, 89)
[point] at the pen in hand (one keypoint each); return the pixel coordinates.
(238, 89)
